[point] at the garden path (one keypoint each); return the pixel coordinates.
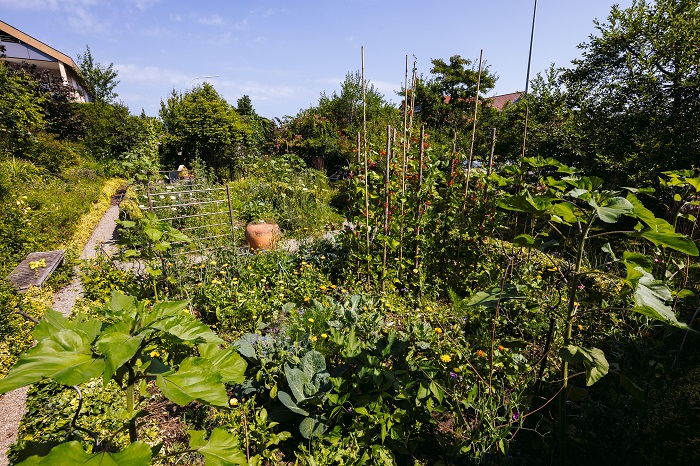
(12, 404)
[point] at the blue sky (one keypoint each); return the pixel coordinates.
(283, 54)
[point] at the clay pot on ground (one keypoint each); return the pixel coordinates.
(261, 235)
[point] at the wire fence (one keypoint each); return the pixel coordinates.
(203, 213)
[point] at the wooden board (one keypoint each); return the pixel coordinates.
(24, 277)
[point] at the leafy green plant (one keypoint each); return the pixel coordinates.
(132, 344)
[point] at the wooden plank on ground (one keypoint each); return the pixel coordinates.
(23, 277)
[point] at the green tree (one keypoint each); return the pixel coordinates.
(325, 136)
(21, 113)
(637, 86)
(244, 106)
(110, 130)
(100, 79)
(445, 100)
(201, 124)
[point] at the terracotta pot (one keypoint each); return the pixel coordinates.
(262, 235)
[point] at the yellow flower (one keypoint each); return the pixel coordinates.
(438, 330)
(324, 335)
(539, 277)
(580, 327)
(212, 263)
(311, 320)
(323, 287)
(501, 347)
(154, 354)
(334, 286)
(323, 257)
(186, 311)
(314, 338)
(480, 353)
(233, 401)
(306, 299)
(445, 358)
(456, 369)
(343, 290)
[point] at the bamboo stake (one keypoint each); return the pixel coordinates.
(230, 212)
(493, 147)
(419, 204)
(476, 107)
(364, 137)
(407, 136)
(386, 204)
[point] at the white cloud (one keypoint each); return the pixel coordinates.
(144, 4)
(85, 22)
(129, 72)
(175, 17)
(213, 20)
(52, 5)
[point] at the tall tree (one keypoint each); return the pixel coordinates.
(100, 79)
(200, 123)
(445, 100)
(637, 86)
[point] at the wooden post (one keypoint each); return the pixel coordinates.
(230, 213)
(386, 203)
(493, 146)
(419, 203)
(476, 107)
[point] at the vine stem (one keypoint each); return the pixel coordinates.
(570, 314)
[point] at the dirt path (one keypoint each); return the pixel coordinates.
(12, 404)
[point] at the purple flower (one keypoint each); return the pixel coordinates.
(516, 415)
(453, 375)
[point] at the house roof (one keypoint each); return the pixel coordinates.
(499, 101)
(24, 38)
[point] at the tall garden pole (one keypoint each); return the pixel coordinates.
(230, 212)
(493, 147)
(419, 204)
(527, 77)
(407, 135)
(364, 150)
(476, 107)
(386, 203)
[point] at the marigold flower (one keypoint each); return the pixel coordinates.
(438, 330)
(306, 299)
(323, 287)
(324, 335)
(154, 354)
(311, 320)
(233, 401)
(501, 347)
(445, 358)
(480, 353)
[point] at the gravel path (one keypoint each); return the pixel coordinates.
(12, 404)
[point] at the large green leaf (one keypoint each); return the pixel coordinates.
(118, 346)
(173, 319)
(196, 379)
(65, 357)
(53, 321)
(527, 241)
(650, 298)
(220, 450)
(659, 231)
(610, 210)
(491, 297)
(593, 360)
(228, 362)
(524, 202)
(72, 454)
(290, 404)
